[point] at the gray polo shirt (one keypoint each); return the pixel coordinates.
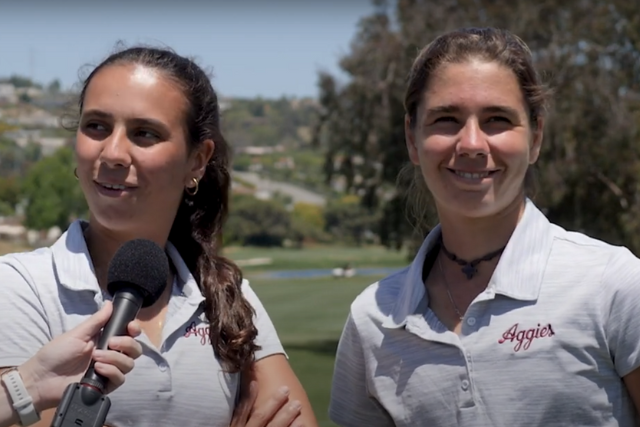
(49, 291)
(545, 345)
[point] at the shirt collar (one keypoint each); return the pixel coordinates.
(75, 271)
(518, 275)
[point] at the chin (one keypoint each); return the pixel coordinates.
(475, 206)
(115, 220)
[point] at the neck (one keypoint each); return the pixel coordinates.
(103, 244)
(472, 238)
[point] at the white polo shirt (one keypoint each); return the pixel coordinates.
(49, 291)
(545, 345)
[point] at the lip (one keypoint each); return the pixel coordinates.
(113, 192)
(114, 183)
(473, 175)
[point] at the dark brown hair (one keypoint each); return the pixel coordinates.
(486, 44)
(198, 223)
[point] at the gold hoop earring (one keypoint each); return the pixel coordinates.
(75, 173)
(192, 191)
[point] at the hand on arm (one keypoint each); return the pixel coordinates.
(277, 411)
(276, 397)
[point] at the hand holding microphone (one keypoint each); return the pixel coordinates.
(65, 359)
(137, 277)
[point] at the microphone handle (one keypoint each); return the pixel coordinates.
(126, 304)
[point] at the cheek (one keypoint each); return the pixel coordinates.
(166, 172)
(433, 150)
(87, 151)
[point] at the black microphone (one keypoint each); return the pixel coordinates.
(136, 278)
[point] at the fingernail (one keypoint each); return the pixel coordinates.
(296, 405)
(98, 354)
(284, 390)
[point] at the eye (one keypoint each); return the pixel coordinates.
(95, 127)
(146, 134)
(445, 119)
(95, 130)
(499, 119)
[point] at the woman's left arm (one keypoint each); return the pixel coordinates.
(271, 371)
(621, 310)
(632, 382)
(271, 374)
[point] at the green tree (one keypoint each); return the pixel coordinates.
(9, 195)
(307, 223)
(256, 222)
(54, 197)
(348, 220)
(54, 86)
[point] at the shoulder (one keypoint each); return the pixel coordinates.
(616, 267)
(377, 301)
(248, 292)
(29, 266)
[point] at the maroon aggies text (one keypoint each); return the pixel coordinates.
(201, 332)
(524, 337)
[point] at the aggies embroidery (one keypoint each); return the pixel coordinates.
(524, 337)
(201, 332)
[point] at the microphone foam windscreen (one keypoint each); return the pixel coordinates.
(142, 264)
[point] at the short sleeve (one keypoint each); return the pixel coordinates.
(350, 404)
(24, 328)
(622, 311)
(267, 337)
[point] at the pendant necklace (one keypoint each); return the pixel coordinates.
(446, 286)
(469, 268)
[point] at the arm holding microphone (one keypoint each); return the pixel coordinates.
(64, 360)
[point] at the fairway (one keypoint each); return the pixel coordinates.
(309, 315)
(317, 257)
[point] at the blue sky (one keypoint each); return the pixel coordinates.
(254, 47)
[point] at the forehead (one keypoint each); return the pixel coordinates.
(473, 84)
(133, 91)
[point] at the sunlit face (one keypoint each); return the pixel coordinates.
(473, 139)
(133, 161)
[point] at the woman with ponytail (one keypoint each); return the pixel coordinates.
(153, 164)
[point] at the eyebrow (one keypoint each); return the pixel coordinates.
(449, 109)
(138, 120)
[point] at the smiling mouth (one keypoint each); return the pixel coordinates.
(472, 175)
(117, 187)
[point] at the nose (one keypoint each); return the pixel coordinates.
(472, 140)
(115, 152)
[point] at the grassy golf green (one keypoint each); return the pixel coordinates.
(309, 315)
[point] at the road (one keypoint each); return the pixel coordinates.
(297, 194)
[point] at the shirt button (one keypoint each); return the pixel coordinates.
(471, 321)
(162, 366)
(465, 384)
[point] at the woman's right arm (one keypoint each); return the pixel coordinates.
(47, 366)
(24, 328)
(350, 404)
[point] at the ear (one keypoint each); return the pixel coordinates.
(200, 158)
(536, 142)
(410, 140)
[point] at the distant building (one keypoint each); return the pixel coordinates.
(30, 116)
(8, 94)
(260, 150)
